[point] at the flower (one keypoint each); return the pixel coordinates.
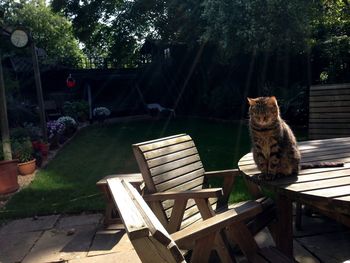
(101, 112)
(55, 128)
(68, 122)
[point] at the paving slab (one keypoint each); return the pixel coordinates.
(120, 257)
(302, 255)
(78, 220)
(30, 224)
(330, 247)
(110, 241)
(14, 246)
(57, 245)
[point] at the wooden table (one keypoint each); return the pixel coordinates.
(327, 189)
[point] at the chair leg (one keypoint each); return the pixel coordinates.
(202, 249)
(298, 215)
(223, 249)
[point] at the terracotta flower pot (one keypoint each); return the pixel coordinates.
(44, 148)
(8, 177)
(27, 167)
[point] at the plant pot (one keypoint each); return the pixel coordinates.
(44, 149)
(27, 167)
(8, 176)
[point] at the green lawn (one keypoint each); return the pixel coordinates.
(67, 185)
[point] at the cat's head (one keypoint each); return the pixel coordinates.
(263, 111)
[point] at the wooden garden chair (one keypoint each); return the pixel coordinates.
(176, 190)
(154, 244)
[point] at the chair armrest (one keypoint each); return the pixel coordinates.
(189, 194)
(186, 237)
(227, 187)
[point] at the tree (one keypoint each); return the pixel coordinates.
(51, 31)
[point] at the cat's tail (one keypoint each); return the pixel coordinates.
(321, 165)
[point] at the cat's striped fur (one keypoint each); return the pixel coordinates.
(274, 146)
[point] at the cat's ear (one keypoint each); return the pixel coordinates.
(272, 100)
(251, 101)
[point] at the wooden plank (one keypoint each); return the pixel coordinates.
(168, 150)
(314, 185)
(330, 192)
(329, 92)
(178, 181)
(329, 131)
(133, 221)
(328, 125)
(145, 147)
(325, 136)
(271, 254)
(172, 157)
(177, 172)
(174, 165)
(330, 109)
(176, 215)
(316, 115)
(329, 103)
(330, 97)
(323, 142)
(192, 184)
(329, 120)
(284, 235)
(330, 87)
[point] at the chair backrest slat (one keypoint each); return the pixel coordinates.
(171, 164)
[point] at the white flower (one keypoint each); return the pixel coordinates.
(101, 111)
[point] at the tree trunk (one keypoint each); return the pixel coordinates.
(5, 134)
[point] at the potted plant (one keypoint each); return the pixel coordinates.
(54, 129)
(70, 125)
(101, 113)
(8, 174)
(23, 151)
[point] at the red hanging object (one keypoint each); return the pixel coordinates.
(70, 81)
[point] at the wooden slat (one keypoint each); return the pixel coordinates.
(330, 87)
(329, 103)
(329, 120)
(307, 186)
(168, 150)
(329, 92)
(316, 115)
(330, 109)
(330, 97)
(330, 126)
(174, 165)
(330, 192)
(177, 172)
(145, 147)
(171, 157)
(325, 136)
(178, 181)
(329, 131)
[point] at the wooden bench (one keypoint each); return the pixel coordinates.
(329, 117)
(329, 111)
(154, 244)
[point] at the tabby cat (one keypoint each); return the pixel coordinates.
(275, 149)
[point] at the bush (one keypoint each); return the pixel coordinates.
(22, 150)
(78, 110)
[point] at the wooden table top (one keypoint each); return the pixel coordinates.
(328, 188)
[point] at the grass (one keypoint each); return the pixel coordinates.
(67, 184)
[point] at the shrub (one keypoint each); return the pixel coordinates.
(68, 122)
(78, 110)
(101, 112)
(22, 150)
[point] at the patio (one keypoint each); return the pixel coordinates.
(82, 238)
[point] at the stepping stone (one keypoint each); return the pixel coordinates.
(29, 224)
(72, 221)
(122, 257)
(14, 246)
(55, 245)
(110, 241)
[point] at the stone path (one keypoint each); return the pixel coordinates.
(83, 239)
